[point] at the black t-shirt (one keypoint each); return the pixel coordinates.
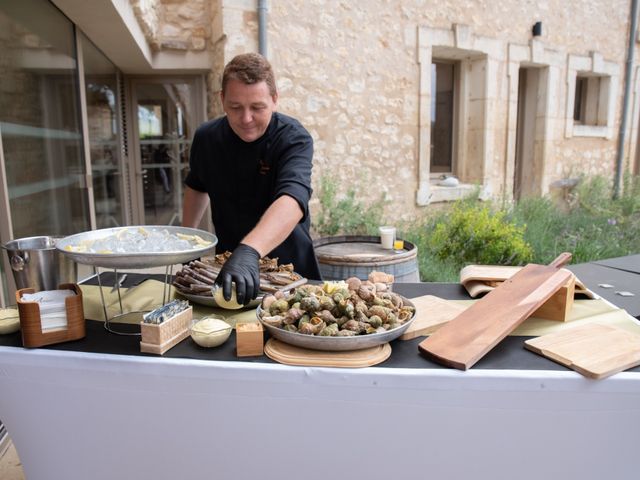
(244, 178)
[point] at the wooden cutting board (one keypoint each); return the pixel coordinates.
(291, 355)
(431, 313)
(464, 340)
(594, 350)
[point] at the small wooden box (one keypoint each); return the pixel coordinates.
(31, 326)
(158, 338)
(249, 339)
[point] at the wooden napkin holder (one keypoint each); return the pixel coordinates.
(158, 338)
(31, 325)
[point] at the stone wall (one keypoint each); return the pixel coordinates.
(149, 15)
(349, 72)
(175, 24)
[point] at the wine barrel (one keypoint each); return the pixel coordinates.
(341, 257)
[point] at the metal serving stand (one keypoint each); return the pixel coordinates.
(134, 260)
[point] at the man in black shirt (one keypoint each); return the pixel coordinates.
(254, 165)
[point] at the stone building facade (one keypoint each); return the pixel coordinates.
(359, 76)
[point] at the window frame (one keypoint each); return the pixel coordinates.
(597, 114)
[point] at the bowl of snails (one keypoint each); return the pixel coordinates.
(341, 315)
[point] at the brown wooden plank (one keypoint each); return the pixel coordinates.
(468, 337)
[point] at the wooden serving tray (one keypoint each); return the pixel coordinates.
(291, 355)
(431, 313)
(461, 342)
(594, 350)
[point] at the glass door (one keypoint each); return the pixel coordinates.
(44, 185)
(166, 113)
(102, 101)
(40, 124)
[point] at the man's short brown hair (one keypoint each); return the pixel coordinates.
(249, 68)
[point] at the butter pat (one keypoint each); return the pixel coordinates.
(210, 332)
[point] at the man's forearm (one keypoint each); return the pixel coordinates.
(275, 225)
(193, 207)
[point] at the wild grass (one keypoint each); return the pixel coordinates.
(589, 223)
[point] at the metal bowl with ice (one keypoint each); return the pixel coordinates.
(133, 247)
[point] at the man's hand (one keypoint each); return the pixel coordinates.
(243, 268)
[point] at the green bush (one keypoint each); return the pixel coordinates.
(347, 215)
(431, 268)
(476, 235)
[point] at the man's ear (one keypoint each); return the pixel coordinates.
(274, 98)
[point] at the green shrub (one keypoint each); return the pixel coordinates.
(476, 235)
(431, 268)
(347, 215)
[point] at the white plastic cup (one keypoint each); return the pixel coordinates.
(387, 237)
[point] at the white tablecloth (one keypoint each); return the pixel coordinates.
(85, 416)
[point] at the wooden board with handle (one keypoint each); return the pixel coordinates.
(431, 313)
(594, 350)
(467, 338)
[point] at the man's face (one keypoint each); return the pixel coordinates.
(248, 108)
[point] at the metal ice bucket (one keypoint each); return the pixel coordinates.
(37, 264)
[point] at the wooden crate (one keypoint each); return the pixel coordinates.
(158, 338)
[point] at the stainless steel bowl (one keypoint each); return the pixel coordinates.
(336, 344)
(37, 264)
(138, 259)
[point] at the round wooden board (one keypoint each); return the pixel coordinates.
(291, 355)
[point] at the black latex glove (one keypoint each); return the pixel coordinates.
(243, 268)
